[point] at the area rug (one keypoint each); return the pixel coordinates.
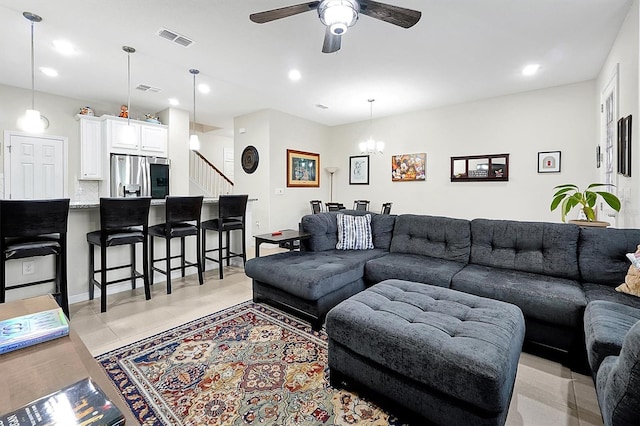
(246, 365)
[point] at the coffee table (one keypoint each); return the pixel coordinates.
(287, 236)
(33, 372)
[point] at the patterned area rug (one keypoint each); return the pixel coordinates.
(246, 365)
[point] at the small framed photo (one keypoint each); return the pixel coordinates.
(359, 170)
(302, 169)
(549, 162)
(624, 146)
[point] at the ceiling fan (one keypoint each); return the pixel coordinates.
(339, 15)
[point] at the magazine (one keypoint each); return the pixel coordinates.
(27, 330)
(82, 403)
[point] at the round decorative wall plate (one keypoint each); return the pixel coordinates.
(250, 159)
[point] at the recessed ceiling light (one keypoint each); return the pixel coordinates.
(294, 75)
(49, 71)
(174, 102)
(203, 88)
(64, 47)
(531, 69)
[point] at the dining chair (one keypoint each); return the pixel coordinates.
(361, 205)
(316, 206)
(334, 207)
(386, 208)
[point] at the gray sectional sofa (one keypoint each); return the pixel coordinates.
(561, 276)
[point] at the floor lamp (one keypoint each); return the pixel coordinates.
(331, 170)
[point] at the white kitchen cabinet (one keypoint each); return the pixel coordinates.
(123, 136)
(148, 138)
(91, 152)
(153, 140)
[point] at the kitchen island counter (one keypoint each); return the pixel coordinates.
(84, 217)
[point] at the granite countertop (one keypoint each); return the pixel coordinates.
(159, 202)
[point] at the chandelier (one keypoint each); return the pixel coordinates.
(371, 146)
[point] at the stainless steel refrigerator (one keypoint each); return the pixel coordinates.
(139, 176)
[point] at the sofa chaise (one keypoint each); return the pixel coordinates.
(561, 276)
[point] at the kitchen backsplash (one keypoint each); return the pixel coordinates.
(86, 190)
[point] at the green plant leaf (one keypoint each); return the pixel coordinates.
(556, 201)
(611, 199)
(563, 191)
(564, 209)
(591, 198)
(567, 185)
(593, 185)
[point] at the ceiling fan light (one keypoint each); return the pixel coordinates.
(338, 15)
(338, 28)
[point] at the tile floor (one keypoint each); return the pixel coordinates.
(546, 393)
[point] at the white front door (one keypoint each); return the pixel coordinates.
(34, 166)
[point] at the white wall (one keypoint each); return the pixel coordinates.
(556, 119)
(624, 54)
(255, 133)
(212, 146)
(272, 133)
(178, 149)
(60, 112)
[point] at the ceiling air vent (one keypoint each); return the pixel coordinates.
(175, 37)
(147, 88)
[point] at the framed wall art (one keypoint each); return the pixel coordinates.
(359, 170)
(624, 146)
(409, 167)
(549, 162)
(302, 169)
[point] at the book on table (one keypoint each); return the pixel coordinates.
(27, 330)
(82, 403)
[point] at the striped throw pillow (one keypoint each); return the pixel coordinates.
(354, 232)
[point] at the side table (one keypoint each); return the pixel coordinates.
(288, 236)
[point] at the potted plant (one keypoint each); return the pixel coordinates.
(569, 196)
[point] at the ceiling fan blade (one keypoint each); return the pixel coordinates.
(395, 15)
(331, 42)
(283, 12)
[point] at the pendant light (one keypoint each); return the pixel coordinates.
(129, 134)
(371, 146)
(32, 121)
(194, 142)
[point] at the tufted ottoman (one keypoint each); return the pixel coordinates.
(446, 357)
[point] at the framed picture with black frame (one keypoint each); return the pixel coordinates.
(624, 146)
(359, 170)
(549, 162)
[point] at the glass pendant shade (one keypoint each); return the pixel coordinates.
(194, 142)
(31, 122)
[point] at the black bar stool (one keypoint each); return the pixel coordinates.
(232, 211)
(182, 220)
(30, 228)
(123, 221)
